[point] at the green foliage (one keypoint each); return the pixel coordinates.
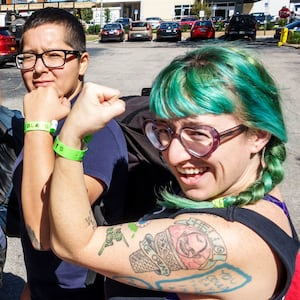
(107, 16)
(201, 5)
(282, 22)
(86, 14)
(293, 37)
(220, 26)
(185, 28)
(93, 29)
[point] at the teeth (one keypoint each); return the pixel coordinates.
(191, 171)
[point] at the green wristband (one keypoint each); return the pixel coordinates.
(40, 126)
(68, 152)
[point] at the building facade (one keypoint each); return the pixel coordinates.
(175, 9)
(165, 9)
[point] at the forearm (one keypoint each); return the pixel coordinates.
(69, 194)
(37, 169)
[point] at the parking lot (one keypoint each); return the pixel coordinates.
(131, 66)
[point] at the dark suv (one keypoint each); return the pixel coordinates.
(126, 22)
(241, 26)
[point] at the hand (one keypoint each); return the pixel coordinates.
(94, 108)
(44, 104)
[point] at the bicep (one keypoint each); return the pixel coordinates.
(190, 254)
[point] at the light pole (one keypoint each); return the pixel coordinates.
(266, 15)
(101, 14)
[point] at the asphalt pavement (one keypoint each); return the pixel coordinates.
(132, 66)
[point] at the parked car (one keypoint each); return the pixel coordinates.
(241, 26)
(202, 30)
(187, 21)
(8, 46)
(126, 22)
(140, 30)
(293, 25)
(112, 32)
(154, 22)
(261, 18)
(217, 19)
(169, 31)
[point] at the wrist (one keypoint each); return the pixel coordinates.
(40, 126)
(74, 152)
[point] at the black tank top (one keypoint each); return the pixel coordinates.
(283, 245)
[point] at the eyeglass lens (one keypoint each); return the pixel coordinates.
(197, 141)
(51, 59)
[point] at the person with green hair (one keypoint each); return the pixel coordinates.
(226, 232)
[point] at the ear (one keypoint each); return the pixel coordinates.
(83, 63)
(258, 140)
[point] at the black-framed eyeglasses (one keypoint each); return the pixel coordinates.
(50, 58)
(198, 141)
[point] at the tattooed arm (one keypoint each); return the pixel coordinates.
(43, 104)
(193, 254)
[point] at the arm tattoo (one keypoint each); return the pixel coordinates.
(111, 235)
(220, 279)
(188, 244)
(90, 220)
(34, 240)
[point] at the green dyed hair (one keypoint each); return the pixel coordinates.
(222, 80)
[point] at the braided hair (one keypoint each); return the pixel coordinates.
(222, 80)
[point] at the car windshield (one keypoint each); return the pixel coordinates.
(123, 21)
(168, 25)
(112, 26)
(139, 24)
(203, 23)
(188, 19)
(153, 19)
(242, 20)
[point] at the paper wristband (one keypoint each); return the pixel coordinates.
(40, 126)
(68, 152)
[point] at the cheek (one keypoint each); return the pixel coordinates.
(27, 79)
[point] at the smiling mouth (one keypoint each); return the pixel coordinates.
(191, 171)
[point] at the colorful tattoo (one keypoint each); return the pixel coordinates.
(111, 235)
(221, 279)
(188, 244)
(133, 227)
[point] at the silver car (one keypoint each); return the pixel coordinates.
(140, 30)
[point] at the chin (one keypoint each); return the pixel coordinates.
(195, 195)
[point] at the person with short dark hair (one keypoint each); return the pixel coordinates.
(53, 61)
(227, 233)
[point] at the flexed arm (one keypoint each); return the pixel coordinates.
(192, 254)
(40, 105)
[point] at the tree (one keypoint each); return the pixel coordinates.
(107, 15)
(86, 14)
(201, 5)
